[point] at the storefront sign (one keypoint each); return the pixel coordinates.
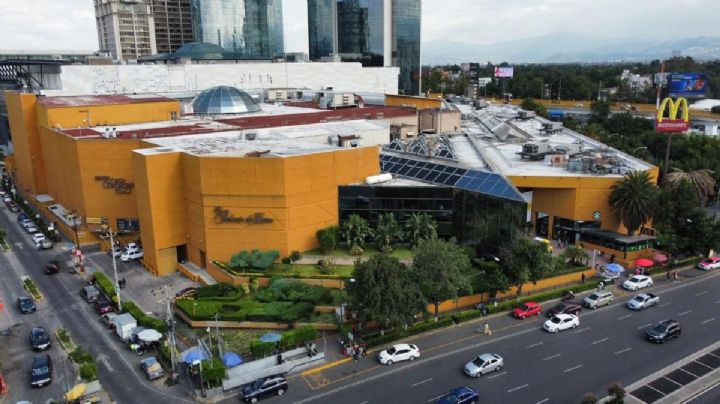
(118, 184)
(128, 225)
(672, 123)
(225, 216)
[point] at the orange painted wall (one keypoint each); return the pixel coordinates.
(74, 117)
(410, 101)
(22, 114)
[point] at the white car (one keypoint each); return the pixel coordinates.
(38, 238)
(132, 247)
(483, 364)
(399, 352)
(637, 282)
(561, 322)
(32, 229)
(643, 301)
(128, 256)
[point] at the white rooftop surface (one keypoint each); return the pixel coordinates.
(502, 156)
(402, 182)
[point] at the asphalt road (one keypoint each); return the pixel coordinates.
(118, 369)
(608, 346)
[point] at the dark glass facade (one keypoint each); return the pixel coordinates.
(406, 44)
(320, 28)
(474, 219)
(250, 27)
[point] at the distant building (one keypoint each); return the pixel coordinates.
(373, 32)
(126, 29)
(250, 27)
(173, 24)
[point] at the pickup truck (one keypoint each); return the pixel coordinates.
(643, 301)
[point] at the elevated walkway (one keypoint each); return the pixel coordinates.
(194, 272)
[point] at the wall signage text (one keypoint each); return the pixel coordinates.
(223, 215)
(118, 184)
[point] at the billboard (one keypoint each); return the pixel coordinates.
(688, 85)
(483, 81)
(671, 123)
(504, 72)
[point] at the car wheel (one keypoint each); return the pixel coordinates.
(609, 302)
(280, 392)
(412, 357)
(574, 325)
(389, 362)
(499, 368)
(253, 400)
(478, 374)
(556, 330)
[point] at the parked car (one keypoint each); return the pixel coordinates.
(128, 256)
(561, 322)
(89, 293)
(39, 339)
(52, 267)
(638, 282)
(527, 309)
(564, 308)
(102, 306)
(7, 199)
(460, 395)
(186, 292)
(108, 320)
(399, 352)
(152, 368)
(264, 387)
(24, 221)
(115, 252)
(132, 247)
(41, 371)
(45, 244)
(598, 299)
(25, 304)
(32, 229)
(13, 207)
(643, 301)
(483, 364)
(663, 331)
(709, 263)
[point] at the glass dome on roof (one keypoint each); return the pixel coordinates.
(224, 100)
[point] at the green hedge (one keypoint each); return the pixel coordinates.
(142, 318)
(281, 312)
(105, 284)
(290, 339)
(289, 290)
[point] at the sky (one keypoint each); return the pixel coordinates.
(70, 24)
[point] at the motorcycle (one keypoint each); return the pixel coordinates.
(570, 295)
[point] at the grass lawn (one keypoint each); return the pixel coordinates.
(398, 252)
(307, 270)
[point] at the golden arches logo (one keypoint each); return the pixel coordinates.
(672, 123)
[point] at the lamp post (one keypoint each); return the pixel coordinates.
(78, 252)
(112, 251)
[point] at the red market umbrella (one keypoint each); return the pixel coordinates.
(644, 263)
(660, 258)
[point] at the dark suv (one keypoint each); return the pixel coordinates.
(564, 308)
(41, 372)
(664, 330)
(264, 387)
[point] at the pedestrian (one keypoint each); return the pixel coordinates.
(582, 278)
(601, 285)
(668, 275)
(488, 331)
(280, 359)
(675, 276)
(356, 356)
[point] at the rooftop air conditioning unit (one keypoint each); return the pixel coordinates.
(251, 136)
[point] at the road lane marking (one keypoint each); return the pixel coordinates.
(643, 326)
(622, 351)
(543, 401)
(601, 340)
(717, 302)
(496, 375)
(434, 398)
(708, 320)
(517, 388)
(421, 382)
(365, 402)
(551, 357)
(533, 345)
(665, 304)
(625, 316)
(701, 293)
(582, 330)
(572, 368)
(685, 312)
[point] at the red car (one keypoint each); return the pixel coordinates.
(527, 309)
(102, 306)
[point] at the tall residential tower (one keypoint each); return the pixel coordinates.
(173, 24)
(126, 28)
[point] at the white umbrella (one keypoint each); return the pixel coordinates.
(149, 335)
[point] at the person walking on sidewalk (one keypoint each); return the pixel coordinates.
(488, 331)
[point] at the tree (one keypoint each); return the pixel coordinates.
(525, 261)
(295, 256)
(574, 255)
(616, 393)
(600, 110)
(387, 232)
(255, 259)
(530, 105)
(420, 226)
(385, 291)
(589, 398)
(701, 180)
(355, 230)
(441, 268)
(634, 199)
(328, 239)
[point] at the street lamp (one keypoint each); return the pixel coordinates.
(112, 254)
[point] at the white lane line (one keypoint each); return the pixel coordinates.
(717, 302)
(432, 400)
(364, 402)
(496, 375)
(665, 304)
(625, 316)
(622, 351)
(421, 382)
(701, 293)
(708, 320)
(645, 325)
(533, 345)
(517, 388)
(552, 357)
(601, 340)
(572, 368)
(582, 330)
(543, 401)
(685, 312)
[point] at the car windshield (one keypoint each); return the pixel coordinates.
(258, 383)
(660, 328)
(391, 351)
(40, 371)
(478, 362)
(639, 298)
(594, 296)
(25, 302)
(39, 334)
(558, 307)
(556, 320)
(634, 279)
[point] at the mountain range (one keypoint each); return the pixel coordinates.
(570, 48)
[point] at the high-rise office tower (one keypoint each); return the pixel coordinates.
(373, 32)
(173, 24)
(126, 28)
(251, 27)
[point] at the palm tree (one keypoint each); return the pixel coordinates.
(701, 180)
(420, 226)
(574, 255)
(355, 230)
(387, 232)
(634, 199)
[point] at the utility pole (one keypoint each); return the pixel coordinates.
(78, 252)
(117, 283)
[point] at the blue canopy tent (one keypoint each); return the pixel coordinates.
(271, 337)
(231, 359)
(194, 355)
(614, 268)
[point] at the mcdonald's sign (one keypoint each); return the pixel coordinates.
(671, 123)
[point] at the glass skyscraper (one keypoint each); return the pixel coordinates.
(250, 27)
(373, 32)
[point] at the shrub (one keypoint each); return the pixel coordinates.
(253, 259)
(281, 312)
(356, 250)
(213, 372)
(88, 371)
(105, 284)
(298, 336)
(143, 319)
(286, 261)
(81, 356)
(326, 266)
(328, 239)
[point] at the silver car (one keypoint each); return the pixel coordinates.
(483, 364)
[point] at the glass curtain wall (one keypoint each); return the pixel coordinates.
(320, 28)
(406, 16)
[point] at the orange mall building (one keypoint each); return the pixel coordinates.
(191, 188)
